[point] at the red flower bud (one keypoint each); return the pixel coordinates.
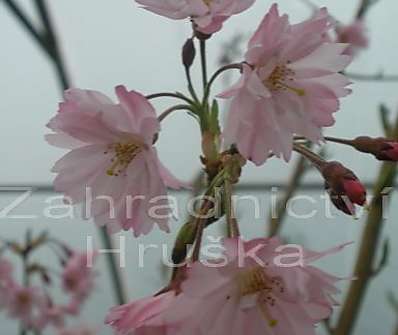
(343, 186)
(382, 148)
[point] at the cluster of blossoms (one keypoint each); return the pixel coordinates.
(292, 80)
(32, 305)
(248, 291)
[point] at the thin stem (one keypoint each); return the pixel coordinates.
(313, 157)
(121, 296)
(21, 17)
(190, 84)
(372, 77)
(170, 95)
(203, 62)
(233, 228)
(337, 140)
(52, 43)
(169, 111)
(276, 219)
(200, 226)
(371, 235)
(237, 66)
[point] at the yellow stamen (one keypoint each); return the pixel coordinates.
(278, 78)
(271, 321)
(124, 154)
(253, 281)
(207, 2)
(257, 281)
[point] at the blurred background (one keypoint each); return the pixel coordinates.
(107, 43)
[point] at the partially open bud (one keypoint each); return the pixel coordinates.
(382, 148)
(343, 186)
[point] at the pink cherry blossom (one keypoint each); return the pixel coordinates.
(152, 316)
(290, 85)
(78, 278)
(135, 316)
(355, 35)
(256, 292)
(208, 16)
(25, 304)
(112, 158)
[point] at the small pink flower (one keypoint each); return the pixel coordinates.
(355, 35)
(24, 303)
(112, 158)
(208, 16)
(259, 294)
(139, 314)
(78, 277)
(152, 315)
(290, 85)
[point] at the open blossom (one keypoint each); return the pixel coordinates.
(355, 35)
(290, 85)
(259, 293)
(78, 278)
(135, 317)
(208, 16)
(112, 158)
(25, 303)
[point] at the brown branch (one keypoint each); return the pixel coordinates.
(276, 219)
(368, 250)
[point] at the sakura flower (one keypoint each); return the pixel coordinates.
(259, 294)
(290, 85)
(127, 319)
(24, 303)
(355, 35)
(154, 316)
(78, 277)
(112, 158)
(208, 16)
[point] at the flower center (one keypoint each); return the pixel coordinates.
(208, 2)
(279, 78)
(124, 154)
(256, 281)
(23, 298)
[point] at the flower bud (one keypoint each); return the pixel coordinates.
(188, 53)
(382, 148)
(343, 186)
